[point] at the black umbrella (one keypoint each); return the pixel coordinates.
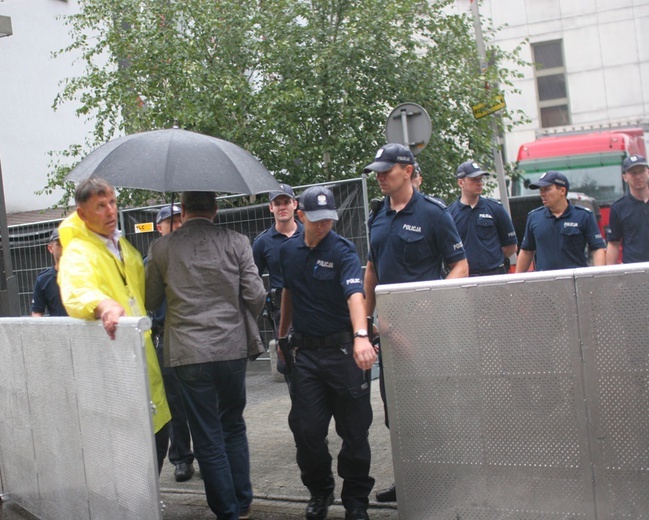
(175, 160)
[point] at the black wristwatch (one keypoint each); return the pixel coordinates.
(361, 333)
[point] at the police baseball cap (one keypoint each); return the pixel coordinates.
(284, 189)
(389, 155)
(166, 213)
(549, 178)
(469, 169)
(633, 160)
(55, 235)
(318, 203)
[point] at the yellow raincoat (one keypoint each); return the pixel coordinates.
(90, 273)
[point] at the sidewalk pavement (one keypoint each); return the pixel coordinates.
(278, 490)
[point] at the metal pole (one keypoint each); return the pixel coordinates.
(404, 127)
(9, 291)
(495, 148)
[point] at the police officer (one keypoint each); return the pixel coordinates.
(629, 218)
(265, 250)
(559, 232)
(47, 295)
(411, 236)
(323, 299)
(486, 229)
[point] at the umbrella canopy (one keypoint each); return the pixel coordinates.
(175, 160)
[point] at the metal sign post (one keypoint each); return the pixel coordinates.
(495, 149)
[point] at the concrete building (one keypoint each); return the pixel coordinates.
(29, 82)
(595, 56)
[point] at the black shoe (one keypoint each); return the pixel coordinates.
(183, 471)
(317, 508)
(387, 495)
(356, 513)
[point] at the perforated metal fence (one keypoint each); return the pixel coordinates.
(520, 396)
(76, 435)
(28, 242)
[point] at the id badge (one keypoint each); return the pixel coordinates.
(135, 308)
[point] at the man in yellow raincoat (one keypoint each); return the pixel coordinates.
(101, 276)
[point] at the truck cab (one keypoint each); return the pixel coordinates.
(591, 161)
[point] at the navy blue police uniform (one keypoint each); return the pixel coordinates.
(484, 229)
(560, 242)
(265, 250)
(326, 380)
(629, 223)
(47, 295)
(409, 245)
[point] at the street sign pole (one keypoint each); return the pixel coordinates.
(495, 148)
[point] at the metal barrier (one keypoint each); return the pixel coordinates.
(76, 436)
(520, 396)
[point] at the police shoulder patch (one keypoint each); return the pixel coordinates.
(582, 208)
(261, 234)
(435, 200)
(495, 201)
(347, 242)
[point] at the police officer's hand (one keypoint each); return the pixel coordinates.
(364, 353)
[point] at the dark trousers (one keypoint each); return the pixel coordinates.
(161, 444)
(180, 439)
(215, 397)
(327, 383)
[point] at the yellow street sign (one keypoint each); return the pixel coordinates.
(145, 227)
(482, 109)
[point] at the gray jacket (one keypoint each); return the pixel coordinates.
(210, 280)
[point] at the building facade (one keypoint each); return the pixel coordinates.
(29, 82)
(593, 63)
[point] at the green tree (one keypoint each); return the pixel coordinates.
(305, 85)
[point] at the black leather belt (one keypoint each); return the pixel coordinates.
(498, 270)
(331, 341)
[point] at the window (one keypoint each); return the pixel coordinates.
(551, 86)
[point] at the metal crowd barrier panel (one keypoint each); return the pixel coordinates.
(520, 396)
(76, 435)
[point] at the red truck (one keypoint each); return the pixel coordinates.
(591, 161)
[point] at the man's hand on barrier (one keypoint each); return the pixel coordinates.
(109, 311)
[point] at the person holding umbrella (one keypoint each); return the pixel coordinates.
(210, 282)
(101, 276)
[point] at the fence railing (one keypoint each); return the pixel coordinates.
(28, 242)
